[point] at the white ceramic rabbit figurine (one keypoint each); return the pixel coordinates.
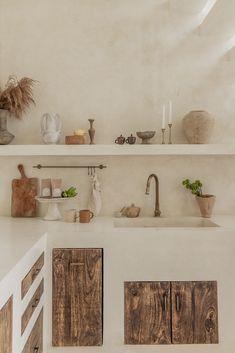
(51, 128)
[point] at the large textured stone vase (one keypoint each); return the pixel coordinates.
(198, 126)
(206, 204)
(5, 136)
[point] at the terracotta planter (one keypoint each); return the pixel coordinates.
(5, 136)
(198, 126)
(206, 204)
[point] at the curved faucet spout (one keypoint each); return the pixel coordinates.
(157, 211)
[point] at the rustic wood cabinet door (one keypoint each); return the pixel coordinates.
(147, 313)
(182, 312)
(6, 327)
(77, 297)
(194, 312)
(206, 312)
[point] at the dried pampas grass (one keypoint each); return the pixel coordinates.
(17, 96)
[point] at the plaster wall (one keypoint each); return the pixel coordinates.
(118, 61)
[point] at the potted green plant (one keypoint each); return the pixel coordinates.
(206, 202)
(15, 99)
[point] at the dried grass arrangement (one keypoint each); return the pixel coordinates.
(17, 96)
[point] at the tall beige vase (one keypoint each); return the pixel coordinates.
(206, 204)
(198, 126)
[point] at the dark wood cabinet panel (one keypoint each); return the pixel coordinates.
(31, 306)
(6, 327)
(34, 343)
(206, 312)
(171, 312)
(31, 275)
(147, 313)
(77, 297)
(182, 312)
(194, 312)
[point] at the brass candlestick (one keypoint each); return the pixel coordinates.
(91, 131)
(163, 136)
(170, 140)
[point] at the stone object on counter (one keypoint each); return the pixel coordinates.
(131, 211)
(198, 126)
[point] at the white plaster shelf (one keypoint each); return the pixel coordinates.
(117, 150)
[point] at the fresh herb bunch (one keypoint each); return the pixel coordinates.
(195, 187)
(71, 192)
(17, 96)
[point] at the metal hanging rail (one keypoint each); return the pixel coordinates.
(91, 168)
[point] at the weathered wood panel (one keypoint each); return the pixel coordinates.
(31, 275)
(31, 306)
(34, 343)
(77, 297)
(6, 327)
(147, 313)
(206, 312)
(182, 312)
(194, 312)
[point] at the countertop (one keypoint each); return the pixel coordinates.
(18, 235)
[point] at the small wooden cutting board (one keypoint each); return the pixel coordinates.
(24, 191)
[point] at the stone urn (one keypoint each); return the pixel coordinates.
(198, 126)
(5, 136)
(206, 204)
(51, 128)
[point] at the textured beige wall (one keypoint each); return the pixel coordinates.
(118, 61)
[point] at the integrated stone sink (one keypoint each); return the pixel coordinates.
(161, 222)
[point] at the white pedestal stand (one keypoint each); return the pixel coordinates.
(53, 212)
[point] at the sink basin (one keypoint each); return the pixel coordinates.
(152, 222)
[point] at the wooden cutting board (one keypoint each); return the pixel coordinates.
(24, 190)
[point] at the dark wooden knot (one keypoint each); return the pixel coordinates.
(209, 325)
(134, 291)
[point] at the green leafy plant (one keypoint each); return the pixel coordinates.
(195, 187)
(71, 192)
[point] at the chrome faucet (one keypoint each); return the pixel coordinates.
(157, 211)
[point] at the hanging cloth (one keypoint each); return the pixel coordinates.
(95, 202)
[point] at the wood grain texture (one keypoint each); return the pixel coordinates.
(77, 297)
(147, 313)
(194, 312)
(206, 312)
(182, 312)
(31, 275)
(6, 327)
(34, 343)
(24, 191)
(31, 306)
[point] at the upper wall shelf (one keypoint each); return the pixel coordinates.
(117, 150)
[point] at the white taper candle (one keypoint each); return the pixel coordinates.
(170, 112)
(163, 116)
